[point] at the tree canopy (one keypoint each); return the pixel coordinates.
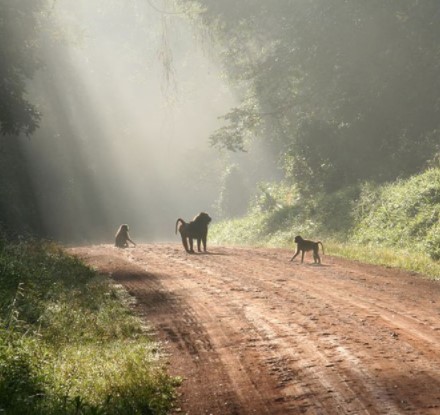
(345, 90)
(19, 59)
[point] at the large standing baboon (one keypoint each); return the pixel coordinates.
(304, 245)
(122, 238)
(196, 229)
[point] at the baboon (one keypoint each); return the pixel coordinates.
(122, 238)
(196, 229)
(304, 245)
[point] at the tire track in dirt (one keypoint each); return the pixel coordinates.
(253, 333)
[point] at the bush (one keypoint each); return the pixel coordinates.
(433, 242)
(277, 214)
(402, 214)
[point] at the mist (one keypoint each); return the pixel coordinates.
(134, 93)
(129, 98)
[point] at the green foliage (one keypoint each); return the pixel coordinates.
(345, 92)
(277, 215)
(234, 193)
(19, 214)
(22, 382)
(404, 214)
(279, 212)
(43, 272)
(386, 256)
(116, 377)
(237, 231)
(433, 242)
(385, 224)
(242, 123)
(68, 344)
(19, 47)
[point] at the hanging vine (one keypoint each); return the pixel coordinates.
(165, 56)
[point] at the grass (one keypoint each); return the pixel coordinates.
(395, 225)
(68, 342)
(393, 257)
(404, 214)
(416, 261)
(70, 345)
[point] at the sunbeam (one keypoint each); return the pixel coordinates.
(117, 145)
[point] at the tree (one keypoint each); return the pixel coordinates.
(347, 91)
(19, 25)
(234, 194)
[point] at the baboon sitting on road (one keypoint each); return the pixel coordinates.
(122, 238)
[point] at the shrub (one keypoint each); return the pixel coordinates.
(402, 214)
(433, 242)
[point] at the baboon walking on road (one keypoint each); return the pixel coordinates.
(303, 245)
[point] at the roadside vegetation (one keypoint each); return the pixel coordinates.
(68, 341)
(352, 156)
(335, 113)
(395, 224)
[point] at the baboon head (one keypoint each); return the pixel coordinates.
(202, 218)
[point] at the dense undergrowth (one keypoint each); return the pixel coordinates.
(395, 224)
(68, 342)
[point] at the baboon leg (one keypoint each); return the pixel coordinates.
(199, 243)
(191, 245)
(185, 244)
(316, 258)
(302, 256)
(204, 243)
(296, 254)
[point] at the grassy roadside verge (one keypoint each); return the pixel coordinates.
(417, 262)
(69, 344)
(396, 224)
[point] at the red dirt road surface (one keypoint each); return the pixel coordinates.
(252, 333)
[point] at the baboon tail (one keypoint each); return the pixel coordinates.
(322, 246)
(177, 222)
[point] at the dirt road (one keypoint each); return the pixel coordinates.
(252, 333)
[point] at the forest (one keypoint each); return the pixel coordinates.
(311, 117)
(318, 95)
(341, 92)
